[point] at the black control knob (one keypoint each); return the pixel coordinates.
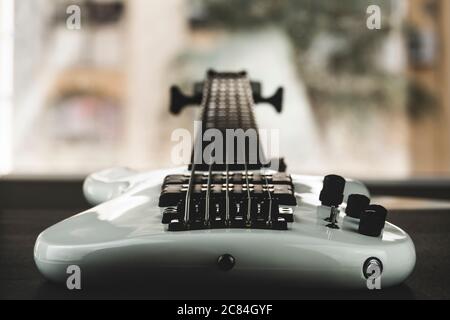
(372, 220)
(356, 204)
(332, 193)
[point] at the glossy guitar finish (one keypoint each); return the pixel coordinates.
(125, 227)
(228, 218)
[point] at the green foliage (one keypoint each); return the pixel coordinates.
(304, 20)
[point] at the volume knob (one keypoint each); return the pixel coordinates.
(332, 193)
(356, 204)
(372, 220)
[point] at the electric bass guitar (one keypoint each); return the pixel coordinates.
(230, 215)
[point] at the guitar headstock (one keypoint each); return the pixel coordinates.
(180, 100)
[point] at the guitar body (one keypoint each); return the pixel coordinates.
(230, 216)
(125, 230)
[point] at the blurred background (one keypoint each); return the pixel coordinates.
(358, 102)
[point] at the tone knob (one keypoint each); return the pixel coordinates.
(332, 193)
(372, 220)
(356, 204)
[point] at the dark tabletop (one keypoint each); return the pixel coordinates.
(19, 278)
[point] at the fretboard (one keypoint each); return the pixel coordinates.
(227, 104)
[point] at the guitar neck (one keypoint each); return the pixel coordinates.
(227, 104)
(228, 142)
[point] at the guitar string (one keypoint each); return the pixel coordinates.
(227, 198)
(192, 177)
(249, 201)
(208, 186)
(248, 95)
(232, 87)
(208, 195)
(188, 196)
(269, 219)
(247, 111)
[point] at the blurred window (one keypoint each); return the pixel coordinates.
(6, 83)
(359, 102)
